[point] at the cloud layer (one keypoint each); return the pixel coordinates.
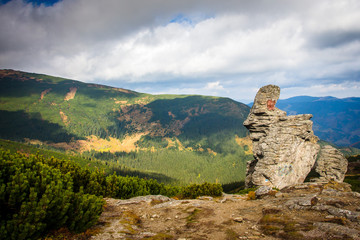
(224, 48)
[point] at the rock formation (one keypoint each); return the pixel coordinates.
(331, 164)
(284, 147)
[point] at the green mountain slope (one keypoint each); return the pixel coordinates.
(186, 137)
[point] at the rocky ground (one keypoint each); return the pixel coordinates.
(306, 211)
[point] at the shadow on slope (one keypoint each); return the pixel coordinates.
(201, 115)
(19, 125)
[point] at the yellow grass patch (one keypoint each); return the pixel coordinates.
(246, 141)
(102, 145)
(176, 143)
(211, 151)
(112, 145)
(64, 118)
(122, 102)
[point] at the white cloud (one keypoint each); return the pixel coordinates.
(226, 46)
(210, 47)
(214, 86)
(342, 90)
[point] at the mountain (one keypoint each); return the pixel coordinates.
(190, 138)
(335, 120)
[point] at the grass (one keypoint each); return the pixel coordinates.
(231, 234)
(354, 181)
(129, 220)
(192, 218)
(160, 236)
(278, 224)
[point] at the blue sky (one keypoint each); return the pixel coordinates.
(224, 48)
(35, 2)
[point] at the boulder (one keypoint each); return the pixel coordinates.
(331, 164)
(284, 147)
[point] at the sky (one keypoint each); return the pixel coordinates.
(227, 48)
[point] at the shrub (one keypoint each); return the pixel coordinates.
(205, 189)
(246, 190)
(36, 198)
(251, 195)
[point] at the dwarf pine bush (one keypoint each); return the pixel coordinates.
(36, 198)
(39, 194)
(205, 189)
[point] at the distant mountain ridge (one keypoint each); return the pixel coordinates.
(335, 120)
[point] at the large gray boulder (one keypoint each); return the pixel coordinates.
(331, 164)
(284, 147)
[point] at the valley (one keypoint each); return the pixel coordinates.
(187, 138)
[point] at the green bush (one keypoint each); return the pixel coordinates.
(353, 158)
(354, 181)
(205, 189)
(39, 194)
(36, 198)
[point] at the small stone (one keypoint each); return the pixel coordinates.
(308, 201)
(147, 234)
(205, 198)
(238, 219)
(356, 194)
(255, 227)
(279, 195)
(263, 190)
(329, 217)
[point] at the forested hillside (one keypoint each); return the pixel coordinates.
(187, 138)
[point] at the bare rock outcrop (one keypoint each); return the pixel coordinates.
(284, 147)
(312, 210)
(331, 164)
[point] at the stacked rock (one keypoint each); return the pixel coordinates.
(284, 147)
